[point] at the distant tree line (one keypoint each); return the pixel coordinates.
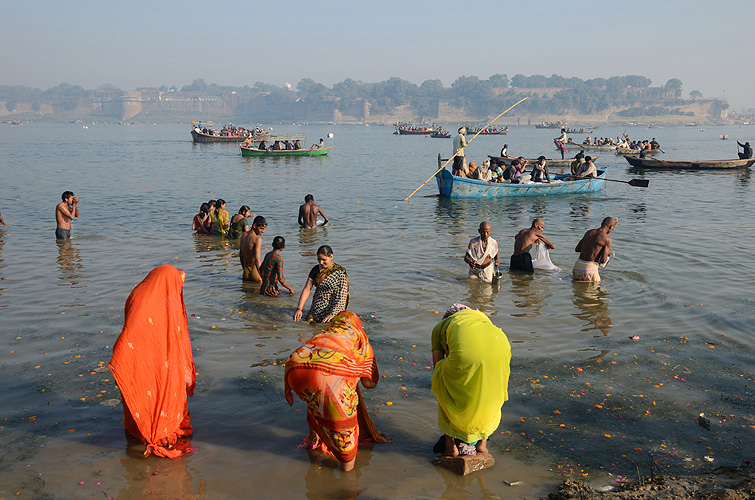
(477, 97)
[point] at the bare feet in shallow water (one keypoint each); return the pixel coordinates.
(482, 446)
(451, 449)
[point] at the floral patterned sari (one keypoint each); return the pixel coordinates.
(324, 373)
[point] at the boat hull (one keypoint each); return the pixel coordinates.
(200, 137)
(652, 163)
(285, 152)
(592, 147)
(415, 132)
(450, 186)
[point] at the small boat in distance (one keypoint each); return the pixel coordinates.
(653, 163)
(441, 133)
(487, 131)
(451, 186)
(408, 129)
(283, 145)
(203, 132)
(551, 125)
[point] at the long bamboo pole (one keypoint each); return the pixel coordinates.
(470, 140)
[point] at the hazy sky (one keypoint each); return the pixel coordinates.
(706, 44)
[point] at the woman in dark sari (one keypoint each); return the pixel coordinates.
(331, 289)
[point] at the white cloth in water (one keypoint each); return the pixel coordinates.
(478, 256)
(542, 259)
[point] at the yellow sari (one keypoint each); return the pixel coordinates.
(471, 382)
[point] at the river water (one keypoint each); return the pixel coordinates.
(586, 401)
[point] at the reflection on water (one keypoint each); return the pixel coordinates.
(579, 209)
(459, 487)
(529, 294)
(590, 299)
(310, 239)
(157, 478)
(71, 267)
(2, 265)
(324, 481)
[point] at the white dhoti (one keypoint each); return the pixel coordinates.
(479, 255)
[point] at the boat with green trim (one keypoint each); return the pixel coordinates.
(251, 151)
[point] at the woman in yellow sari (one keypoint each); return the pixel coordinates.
(470, 378)
(325, 373)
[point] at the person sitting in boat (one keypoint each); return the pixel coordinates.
(496, 172)
(587, 141)
(654, 144)
(297, 144)
(587, 169)
(540, 171)
(520, 176)
(287, 145)
(318, 146)
(504, 151)
(577, 163)
(248, 142)
(747, 150)
(262, 146)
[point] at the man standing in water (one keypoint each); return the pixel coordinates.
(309, 211)
(459, 144)
(65, 212)
(594, 249)
(251, 249)
(521, 260)
(482, 253)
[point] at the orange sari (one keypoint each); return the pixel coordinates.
(153, 365)
(325, 373)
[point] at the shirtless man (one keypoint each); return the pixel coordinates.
(521, 260)
(309, 211)
(594, 249)
(482, 253)
(65, 212)
(251, 250)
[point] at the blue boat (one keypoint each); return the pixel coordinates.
(451, 186)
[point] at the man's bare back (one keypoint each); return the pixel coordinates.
(524, 240)
(308, 213)
(595, 245)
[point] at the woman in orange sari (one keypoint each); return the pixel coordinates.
(153, 365)
(324, 373)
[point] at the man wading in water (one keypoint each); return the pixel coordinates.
(594, 248)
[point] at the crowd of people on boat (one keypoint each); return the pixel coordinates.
(414, 128)
(281, 145)
(624, 142)
(229, 131)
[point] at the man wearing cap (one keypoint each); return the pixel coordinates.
(460, 143)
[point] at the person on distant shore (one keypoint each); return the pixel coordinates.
(521, 259)
(540, 171)
(250, 250)
(482, 254)
(587, 169)
(309, 211)
(747, 153)
(459, 168)
(239, 222)
(331, 289)
(202, 222)
(594, 249)
(65, 212)
(471, 367)
(153, 365)
(272, 270)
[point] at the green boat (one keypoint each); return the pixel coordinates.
(248, 151)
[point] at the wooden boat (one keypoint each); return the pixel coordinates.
(635, 152)
(248, 151)
(198, 136)
(650, 162)
(552, 125)
(551, 162)
(579, 131)
(441, 134)
(487, 131)
(412, 130)
(451, 186)
(593, 147)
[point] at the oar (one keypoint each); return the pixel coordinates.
(470, 140)
(634, 182)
